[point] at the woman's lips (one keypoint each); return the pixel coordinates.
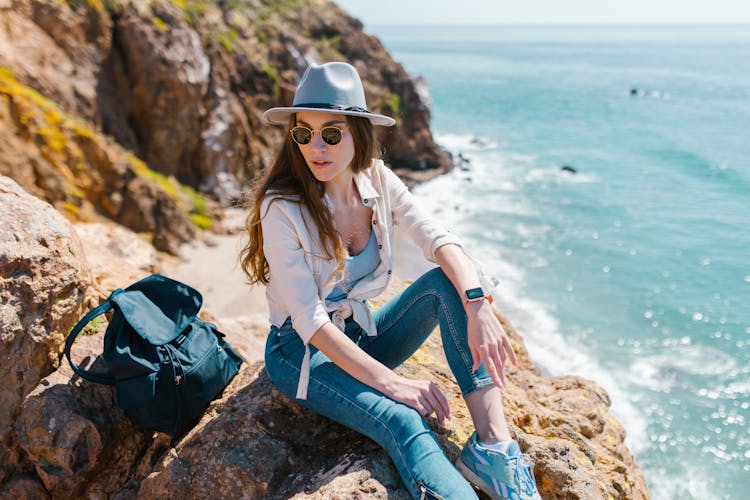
(321, 164)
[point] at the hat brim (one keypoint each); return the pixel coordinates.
(280, 116)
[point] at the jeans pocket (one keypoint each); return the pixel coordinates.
(281, 336)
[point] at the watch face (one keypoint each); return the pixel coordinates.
(474, 293)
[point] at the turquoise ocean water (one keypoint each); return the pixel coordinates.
(635, 271)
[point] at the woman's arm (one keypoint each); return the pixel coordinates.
(487, 339)
(422, 395)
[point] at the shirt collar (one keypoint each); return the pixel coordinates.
(364, 183)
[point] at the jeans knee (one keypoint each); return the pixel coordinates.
(404, 422)
(440, 282)
(438, 279)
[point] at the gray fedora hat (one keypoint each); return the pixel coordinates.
(333, 87)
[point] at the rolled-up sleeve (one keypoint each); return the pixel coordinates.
(290, 273)
(427, 233)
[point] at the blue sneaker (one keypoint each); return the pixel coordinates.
(502, 477)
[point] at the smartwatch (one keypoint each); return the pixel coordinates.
(476, 295)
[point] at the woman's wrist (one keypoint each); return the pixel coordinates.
(475, 305)
(473, 308)
(386, 381)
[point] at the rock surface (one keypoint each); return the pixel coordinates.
(73, 436)
(44, 278)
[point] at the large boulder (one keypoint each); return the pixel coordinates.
(75, 439)
(255, 443)
(167, 73)
(44, 277)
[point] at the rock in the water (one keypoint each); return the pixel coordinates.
(568, 169)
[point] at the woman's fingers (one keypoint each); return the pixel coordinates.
(431, 400)
(490, 345)
(494, 362)
(497, 375)
(442, 401)
(509, 348)
(475, 357)
(499, 358)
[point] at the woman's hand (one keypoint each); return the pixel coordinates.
(488, 341)
(422, 395)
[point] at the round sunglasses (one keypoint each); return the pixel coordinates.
(330, 135)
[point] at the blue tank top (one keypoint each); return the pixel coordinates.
(356, 268)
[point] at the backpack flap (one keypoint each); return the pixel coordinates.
(146, 318)
(179, 302)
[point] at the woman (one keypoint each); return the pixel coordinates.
(321, 238)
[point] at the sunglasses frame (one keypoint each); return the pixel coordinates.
(312, 134)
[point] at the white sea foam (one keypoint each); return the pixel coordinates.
(694, 359)
(494, 173)
(689, 485)
(460, 143)
(557, 355)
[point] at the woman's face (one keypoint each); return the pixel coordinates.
(325, 161)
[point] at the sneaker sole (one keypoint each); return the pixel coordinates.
(477, 481)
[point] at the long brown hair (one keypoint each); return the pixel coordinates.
(291, 179)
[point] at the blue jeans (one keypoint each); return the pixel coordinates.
(403, 324)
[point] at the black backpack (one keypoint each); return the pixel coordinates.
(166, 363)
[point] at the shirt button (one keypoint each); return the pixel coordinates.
(365, 201)
(380, 247)
(374, 223)
(389, 271)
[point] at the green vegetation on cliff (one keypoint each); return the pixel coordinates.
(60, 138)
(177, 191)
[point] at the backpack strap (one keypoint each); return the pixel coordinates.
(102, 308)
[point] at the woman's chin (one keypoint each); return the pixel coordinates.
(325, 173)
(321, 176)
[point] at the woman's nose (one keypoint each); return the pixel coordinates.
(318, 142)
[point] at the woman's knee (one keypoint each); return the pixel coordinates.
(403, 423)
(439, 280)
(444, 288)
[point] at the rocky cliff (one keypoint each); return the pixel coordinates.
(63, 437)
(181, 85)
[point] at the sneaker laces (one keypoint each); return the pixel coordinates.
(525, 474)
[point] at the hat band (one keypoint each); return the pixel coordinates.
(337, 107)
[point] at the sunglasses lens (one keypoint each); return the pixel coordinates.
(331, 135)
(302, 135)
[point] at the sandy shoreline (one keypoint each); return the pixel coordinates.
(210, 265)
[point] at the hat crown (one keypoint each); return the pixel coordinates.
(333, 87)
(336, 84)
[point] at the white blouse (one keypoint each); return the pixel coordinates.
(300, 275)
